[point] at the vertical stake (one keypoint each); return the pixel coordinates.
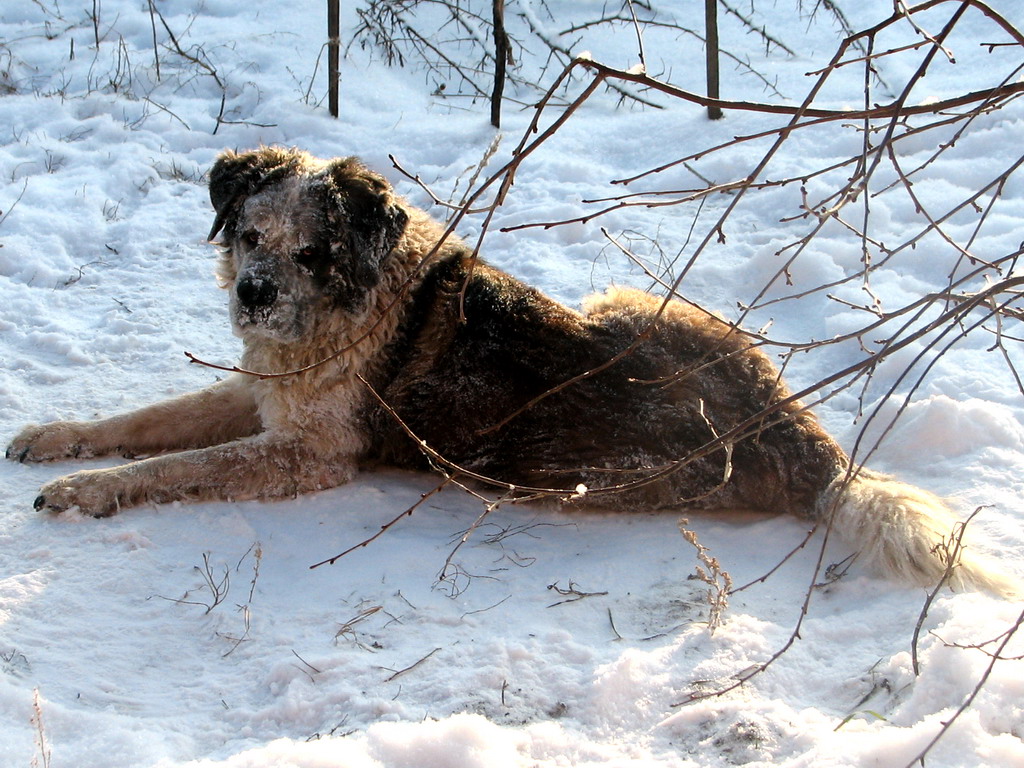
(333, 33)
(711, 54)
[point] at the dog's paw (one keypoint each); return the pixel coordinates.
(59, 440)
(94, 492)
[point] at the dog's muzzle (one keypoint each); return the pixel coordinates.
(256, 292)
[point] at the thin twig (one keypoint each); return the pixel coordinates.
(411, 666)
(951, 553)
(386, 526)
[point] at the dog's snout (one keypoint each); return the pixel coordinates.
(254, 292)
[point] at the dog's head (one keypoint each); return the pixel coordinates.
(301, 237)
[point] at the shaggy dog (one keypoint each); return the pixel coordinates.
(397, 347)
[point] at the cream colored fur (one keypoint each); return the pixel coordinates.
(908, 534)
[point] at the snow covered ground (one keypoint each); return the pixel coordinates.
(114, 650)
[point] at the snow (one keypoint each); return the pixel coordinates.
(106, 279)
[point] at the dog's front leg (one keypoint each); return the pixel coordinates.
(258, 467)
(223, 412)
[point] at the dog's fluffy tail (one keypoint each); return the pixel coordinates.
(908, 534)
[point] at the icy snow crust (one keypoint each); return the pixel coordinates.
(105, 279)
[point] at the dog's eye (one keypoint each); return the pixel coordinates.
(251, 238)
(307, 256)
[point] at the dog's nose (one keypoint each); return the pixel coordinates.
(256, 292)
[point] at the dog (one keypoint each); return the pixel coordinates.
(377, 339)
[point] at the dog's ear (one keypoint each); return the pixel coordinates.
(234, 177)
(366, 209)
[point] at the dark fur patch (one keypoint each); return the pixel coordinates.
(361, 208)
(629, 422)
(365, 210)
(234, 177)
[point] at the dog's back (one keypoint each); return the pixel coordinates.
(637, 404)
(529, 392)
